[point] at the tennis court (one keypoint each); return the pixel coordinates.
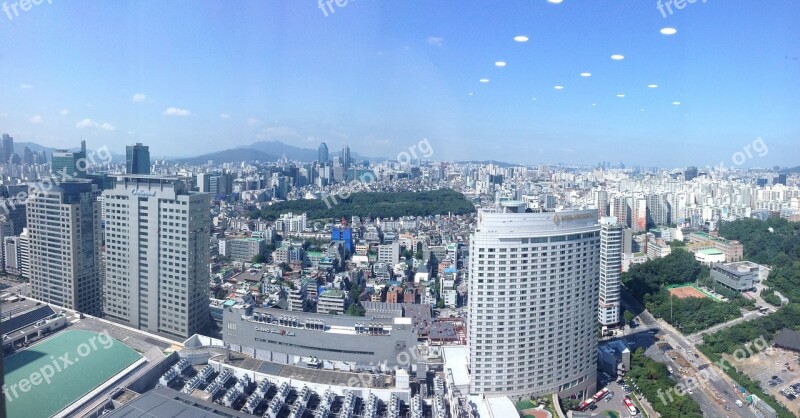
(49, 376)
(683, 291)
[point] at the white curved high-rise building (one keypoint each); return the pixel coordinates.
(533, 290)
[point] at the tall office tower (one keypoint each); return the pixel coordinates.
(611, 246)
(621, 210)
(601, 201)
(27, 156)
(157, 253)
(322, 154)
(533, 286)
(64, 243)
(137, 159)
(8, 147)
(69, 163)
(690, 173)
(346, 157)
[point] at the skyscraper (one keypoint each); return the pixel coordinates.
(64, 247)
(137, 159)
(8, 147)
(346, 157)
(690, 173)
(322, 154)
(69, 163)
(611, 235)
(156, 259)
(533, 285)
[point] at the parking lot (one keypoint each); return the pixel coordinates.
(769, 368)
(613, 402)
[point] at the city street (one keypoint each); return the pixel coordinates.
(713, 395)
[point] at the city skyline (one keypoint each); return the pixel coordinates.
(379, 88)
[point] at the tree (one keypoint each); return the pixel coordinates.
(356, 309)
(628, 316)
(259, 259)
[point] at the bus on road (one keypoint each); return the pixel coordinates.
(629, 404)
(600, 395)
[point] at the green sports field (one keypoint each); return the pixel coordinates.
(47, 377)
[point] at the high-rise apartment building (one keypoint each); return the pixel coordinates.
(611, 247)
(533, 285)
(156, 258)
(64, 242)
(137, 159)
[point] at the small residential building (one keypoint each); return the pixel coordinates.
(331, 301)
(244, 249)
(288, 253)
(296, 296)
(389, 253)
(657, 248)
(630, 259)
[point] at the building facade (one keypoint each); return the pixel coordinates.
(533, 286)
(350, 343)
(137, 159)
(610, 271)
(64, 239)
(157, 253)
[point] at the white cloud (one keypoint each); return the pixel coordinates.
(435, 41)
(90, 124)
(224, 116)
(176, 111)
(87, 123)
(253, 122)
(139, 97)
(37, 120)
(64, 112)
(25, 86)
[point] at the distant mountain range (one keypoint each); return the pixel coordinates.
(230, 156)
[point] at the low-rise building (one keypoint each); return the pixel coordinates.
(709, 256)
(244, 249)
(331, 301)
(735, 276)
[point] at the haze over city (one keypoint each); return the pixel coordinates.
(380, 77)
(417, 209)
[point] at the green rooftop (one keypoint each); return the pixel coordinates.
(710, 251)
(74, 362)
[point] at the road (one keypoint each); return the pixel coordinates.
(713, 394)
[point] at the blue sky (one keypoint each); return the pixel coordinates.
(381, 76)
